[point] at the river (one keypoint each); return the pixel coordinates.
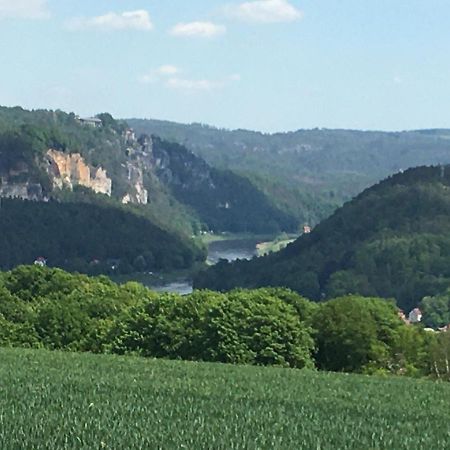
(230, 249)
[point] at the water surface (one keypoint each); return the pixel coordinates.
(230, 249)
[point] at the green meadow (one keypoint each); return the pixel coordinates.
(58, 400)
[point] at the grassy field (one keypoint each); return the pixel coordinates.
(52, 400)
(275, 245)
(226, 236)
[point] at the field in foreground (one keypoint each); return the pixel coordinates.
(53, 400)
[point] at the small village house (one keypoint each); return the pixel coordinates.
(40, 261)
(415, 316)
(93, 122)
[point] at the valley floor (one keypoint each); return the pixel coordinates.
(54, 400)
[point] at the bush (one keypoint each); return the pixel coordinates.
(245, 327)
(356, 334)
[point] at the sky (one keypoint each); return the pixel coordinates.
(267, 65)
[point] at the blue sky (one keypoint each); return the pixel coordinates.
(269, 65)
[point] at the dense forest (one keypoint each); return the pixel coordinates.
(392, 241)
(42, 307)
(91, 238)
(308, 173)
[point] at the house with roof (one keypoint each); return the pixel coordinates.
(93, 122)
(40, 261)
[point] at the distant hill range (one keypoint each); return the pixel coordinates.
(307, 173)
(392, 240)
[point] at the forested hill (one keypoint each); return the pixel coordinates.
(308, 172)
(89, 238)
(49, 154)
(392, 240)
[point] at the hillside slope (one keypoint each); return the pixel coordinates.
(393, 240)
(308, 172)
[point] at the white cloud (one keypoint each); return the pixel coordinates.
(265, 11)
(197, 29)
(155, 75)
(23, 9)
(167, 69)
(128, 20)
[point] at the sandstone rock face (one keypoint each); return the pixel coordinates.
(69, 170)
(100, 182)
(139, 194)
(140, 161)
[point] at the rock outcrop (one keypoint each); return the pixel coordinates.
(69, 170)
(140, 161)
(139, 194)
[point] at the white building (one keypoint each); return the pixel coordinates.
(40, 261)
(415, 315)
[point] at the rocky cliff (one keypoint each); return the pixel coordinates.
(69, 170)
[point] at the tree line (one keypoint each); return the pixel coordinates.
(50, 308)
